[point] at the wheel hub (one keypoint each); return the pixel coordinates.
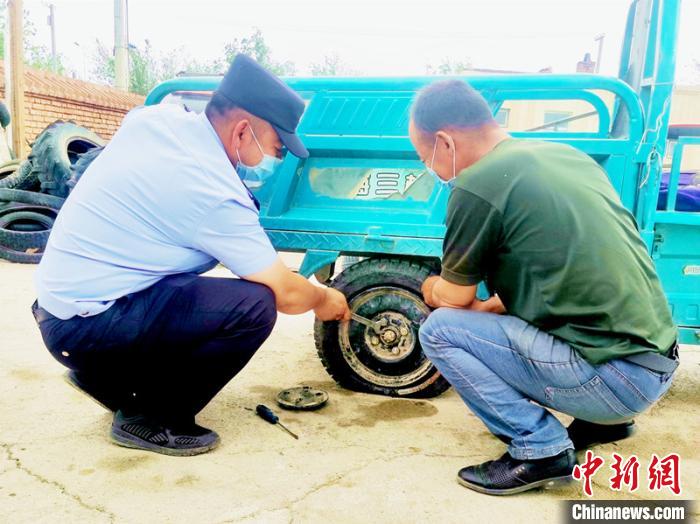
(395, 339)
(387, 354)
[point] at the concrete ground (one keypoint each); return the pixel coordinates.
(362, 458)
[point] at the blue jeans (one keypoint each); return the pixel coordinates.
(500, 364)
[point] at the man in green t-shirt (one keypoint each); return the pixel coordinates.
(588, 331)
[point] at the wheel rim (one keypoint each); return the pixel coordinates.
(392, 357)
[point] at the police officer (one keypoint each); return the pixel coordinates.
(121, 300)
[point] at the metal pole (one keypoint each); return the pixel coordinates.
(14, 8)
(600, 38)
(52, 24)
(121, 50)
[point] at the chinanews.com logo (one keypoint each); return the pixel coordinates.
(613, 511)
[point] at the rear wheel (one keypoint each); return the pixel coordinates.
(388, 360)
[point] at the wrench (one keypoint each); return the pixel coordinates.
(375, 326)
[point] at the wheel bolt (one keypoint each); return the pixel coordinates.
(403, 331)
(375, 341)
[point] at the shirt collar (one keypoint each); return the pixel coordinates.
(205, 121)
(203, 117)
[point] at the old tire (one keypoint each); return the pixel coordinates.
(13, 237)
(13, 207)
(55, 152)
(8, 168)
(31, 198)
(381, 289)
(82, 164)
(19, 176)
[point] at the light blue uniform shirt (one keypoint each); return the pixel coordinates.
(162, 198)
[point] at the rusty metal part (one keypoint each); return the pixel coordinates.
(302, 398)
(398, 313)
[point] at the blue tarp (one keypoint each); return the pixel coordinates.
(688, 192)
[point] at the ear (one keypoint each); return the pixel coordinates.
(238, 135)
(445, 140)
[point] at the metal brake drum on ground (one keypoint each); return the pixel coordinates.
(303, 398)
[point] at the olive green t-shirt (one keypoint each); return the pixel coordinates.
(541, 224)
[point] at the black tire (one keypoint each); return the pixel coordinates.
(20, 257)
(14, 207)
(8, 168)
(4, 115)
(26, 219)
(22, 177)
(55, 152)
(29, 197)
(24, 240)
(381, 289)
(82, 164)
(24, 232)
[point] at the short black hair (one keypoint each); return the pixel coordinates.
(219, 106)
(450, 103)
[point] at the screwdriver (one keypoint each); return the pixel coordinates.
(268, 415)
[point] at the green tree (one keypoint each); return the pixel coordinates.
(146, 68)
(143, 72)
(35, 55)
(331, 65)
(255, 47)
(449, 67)
(178, 62)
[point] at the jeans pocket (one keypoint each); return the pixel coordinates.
(593, 401)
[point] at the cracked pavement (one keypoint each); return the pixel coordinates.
(360, 459)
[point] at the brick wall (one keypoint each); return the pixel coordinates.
(43, 110)
(50, 97)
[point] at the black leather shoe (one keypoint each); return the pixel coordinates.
(586, 434)
(507, 475)
(104, 396)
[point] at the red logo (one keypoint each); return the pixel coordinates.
(627, 473)
(665, 473)
(662, 473)
(586, 470)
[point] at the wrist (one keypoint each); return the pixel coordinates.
(434, 298)
(321, 296)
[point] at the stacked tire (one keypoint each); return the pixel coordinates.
(32, 192)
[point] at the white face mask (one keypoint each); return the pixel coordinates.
(449, 182)
(255, 176)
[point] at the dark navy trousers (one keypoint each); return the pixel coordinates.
(168, 350)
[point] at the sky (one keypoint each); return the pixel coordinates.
(371, 37)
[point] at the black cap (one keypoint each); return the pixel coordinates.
(251, 87)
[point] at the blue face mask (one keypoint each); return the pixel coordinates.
(451, 181)
(255, 176)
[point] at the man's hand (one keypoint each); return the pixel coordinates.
(334, 306)
(438, 292)
(491, 305)
(427, 290)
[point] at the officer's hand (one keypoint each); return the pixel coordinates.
(333, 307)
(427, 290)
